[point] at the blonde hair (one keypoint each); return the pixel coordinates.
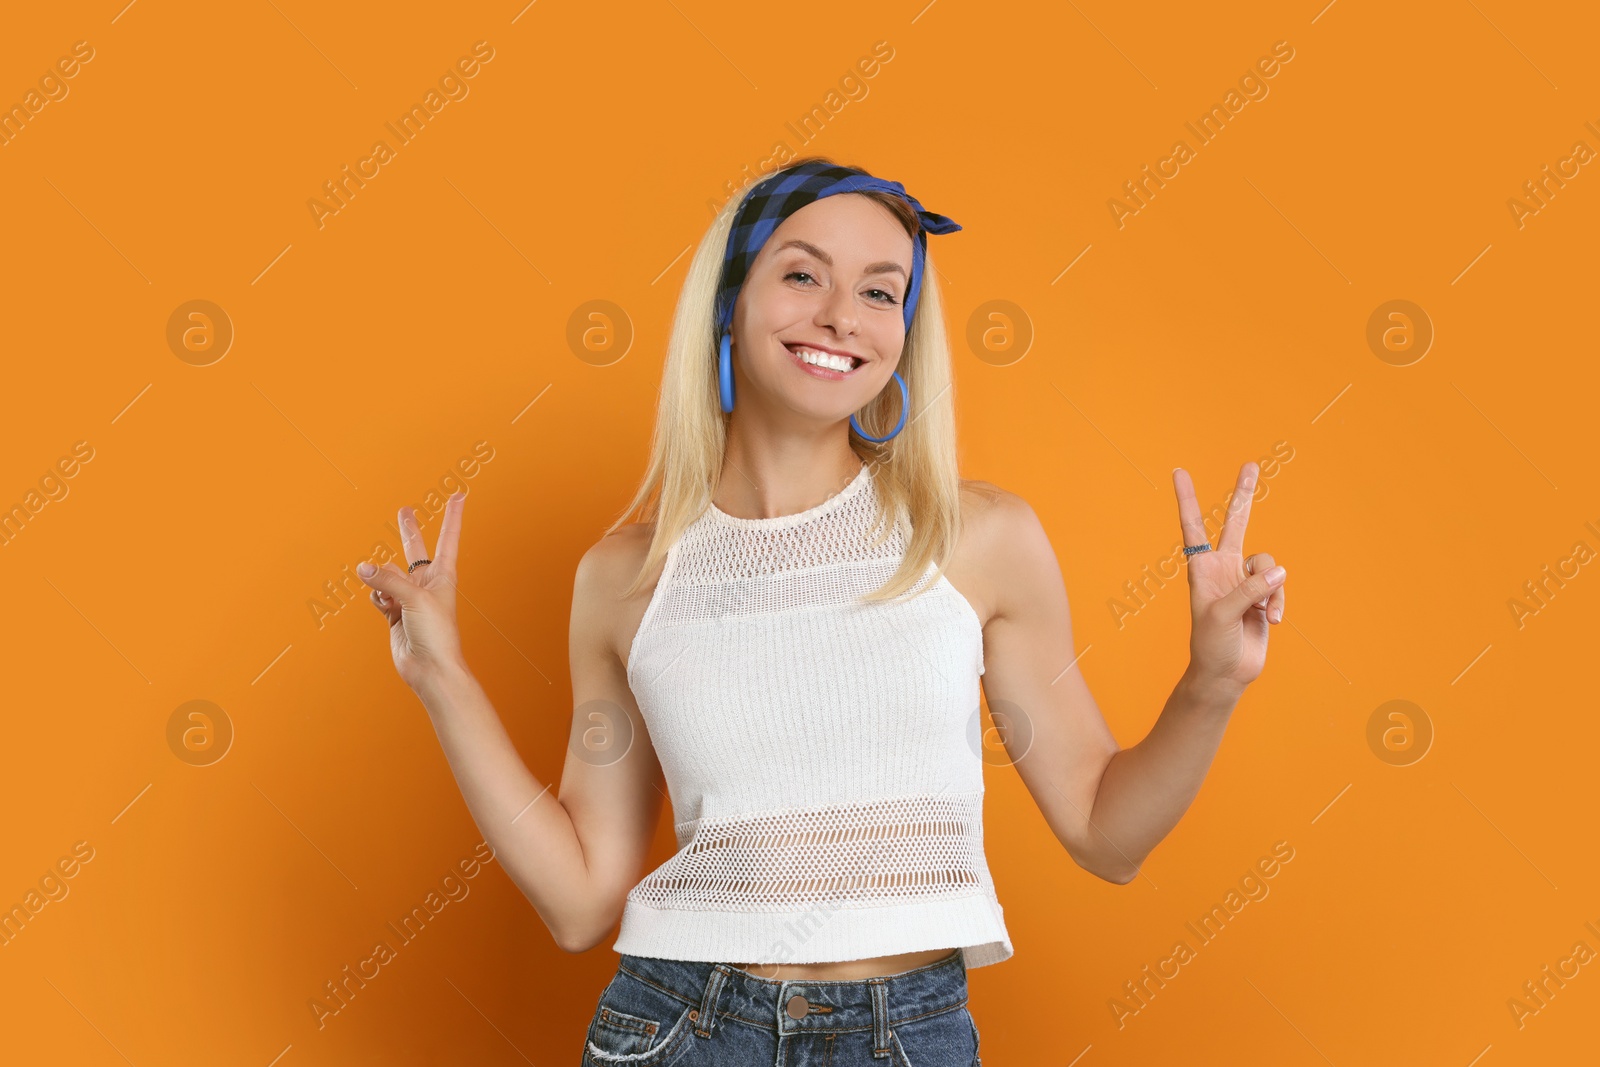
(917, 472)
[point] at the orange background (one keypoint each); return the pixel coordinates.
(432, 312)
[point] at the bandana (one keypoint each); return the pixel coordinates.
(775, 198)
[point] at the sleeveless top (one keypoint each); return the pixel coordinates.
(823, 756)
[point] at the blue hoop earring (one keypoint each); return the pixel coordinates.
(725, 372)
(905, 406)
(725, 389)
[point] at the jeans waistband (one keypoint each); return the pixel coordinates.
(795, 1005)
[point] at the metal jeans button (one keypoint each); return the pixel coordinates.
(798, 1006)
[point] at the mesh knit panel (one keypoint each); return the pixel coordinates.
(822, 754)
(858, 855)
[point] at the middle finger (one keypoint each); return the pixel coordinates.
(411, 537)
(1232, 539)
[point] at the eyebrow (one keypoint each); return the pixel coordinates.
(884, 267)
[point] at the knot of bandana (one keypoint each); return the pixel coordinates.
(775, 198)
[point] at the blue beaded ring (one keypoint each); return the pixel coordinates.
(1189, 550)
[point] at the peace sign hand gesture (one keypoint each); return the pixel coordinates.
(1233, 599)
(421, 605)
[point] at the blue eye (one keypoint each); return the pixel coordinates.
(886, 297)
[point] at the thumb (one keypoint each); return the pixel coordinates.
(388, 579)
(1251, 591)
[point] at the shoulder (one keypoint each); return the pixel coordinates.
(602, 608)
(1005, 546)
(990, 514)
(611, 562)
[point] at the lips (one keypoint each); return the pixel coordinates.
(794, 348)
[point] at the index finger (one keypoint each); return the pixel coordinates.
(1193, 525)
(1232, 539)
(449, 532)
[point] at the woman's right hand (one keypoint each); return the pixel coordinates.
(421, 606)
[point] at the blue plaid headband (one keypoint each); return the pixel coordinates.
(775, 198)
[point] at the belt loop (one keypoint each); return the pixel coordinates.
(880, 1016)
(708, 1003)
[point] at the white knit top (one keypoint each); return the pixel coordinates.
(823, 756)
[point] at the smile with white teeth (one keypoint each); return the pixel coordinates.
(844, 364)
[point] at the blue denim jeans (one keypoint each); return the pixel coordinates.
(656, 1013)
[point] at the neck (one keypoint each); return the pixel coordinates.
(773, 480)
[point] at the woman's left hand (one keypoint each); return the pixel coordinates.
(1233, 598)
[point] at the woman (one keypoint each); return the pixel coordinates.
(792, 638)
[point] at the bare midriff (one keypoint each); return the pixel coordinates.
(845, 970)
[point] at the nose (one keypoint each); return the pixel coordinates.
(838, 310)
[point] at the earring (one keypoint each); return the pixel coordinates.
(905, 406)
(725, 372)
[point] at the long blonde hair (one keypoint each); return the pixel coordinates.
(917, 471)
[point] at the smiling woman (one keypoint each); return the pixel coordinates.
(829, 821)
(790, 638)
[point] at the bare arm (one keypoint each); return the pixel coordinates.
(1111, 806)
(1108, 806)
(611, 785)
(574, 856)
(1145, 790)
